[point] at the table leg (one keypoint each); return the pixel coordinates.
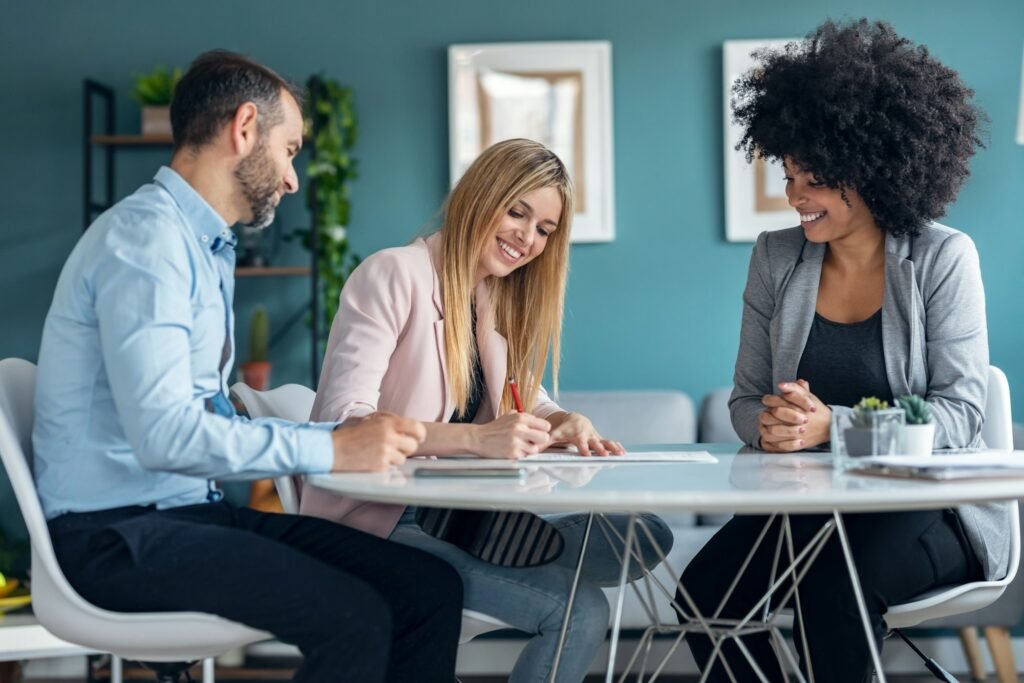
(718, 629)
(861, 605)
(623, 579)
(572, 597)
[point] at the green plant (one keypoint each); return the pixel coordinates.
(917, 410)
(864, 408)
(156, 88)
(259, 335)
(330, 121)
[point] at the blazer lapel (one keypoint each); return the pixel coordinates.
(899, 317)
(434, 251)
(791, 327)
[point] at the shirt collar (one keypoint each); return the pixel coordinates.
(212, 230)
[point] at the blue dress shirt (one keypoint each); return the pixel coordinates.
(131, 399)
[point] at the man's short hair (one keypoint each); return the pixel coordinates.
(217, 83)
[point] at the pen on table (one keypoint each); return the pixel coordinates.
(515, 394)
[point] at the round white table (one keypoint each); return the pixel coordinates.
(742, 481)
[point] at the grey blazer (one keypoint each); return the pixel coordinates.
(934, 336)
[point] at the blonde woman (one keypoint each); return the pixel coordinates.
(433, 331)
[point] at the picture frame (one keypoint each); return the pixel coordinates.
(755, 193)
(557, 93)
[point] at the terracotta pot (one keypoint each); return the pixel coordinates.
(156, 120)
(256, 374)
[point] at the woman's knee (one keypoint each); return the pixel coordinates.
(702, 587)
(656, 538)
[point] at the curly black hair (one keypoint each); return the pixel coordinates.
(860, 107)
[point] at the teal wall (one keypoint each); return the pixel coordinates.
(657, 308)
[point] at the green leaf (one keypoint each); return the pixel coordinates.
(330, 117)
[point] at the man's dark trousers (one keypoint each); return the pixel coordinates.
(358, 607)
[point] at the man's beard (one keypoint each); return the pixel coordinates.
(259, 182)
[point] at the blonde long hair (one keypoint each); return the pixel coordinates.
(528, 303)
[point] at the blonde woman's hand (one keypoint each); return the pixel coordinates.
(576, 429)
(794, 420)
(512, 436)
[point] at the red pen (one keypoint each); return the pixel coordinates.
(515, 394)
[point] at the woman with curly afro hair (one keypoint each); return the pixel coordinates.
(867, 297)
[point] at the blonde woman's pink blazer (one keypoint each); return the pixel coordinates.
(386, 352)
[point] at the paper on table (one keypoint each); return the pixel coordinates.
(563, 457)
(981, 459)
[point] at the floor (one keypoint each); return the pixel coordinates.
(265, 669)
(490, 679)
(282, 673)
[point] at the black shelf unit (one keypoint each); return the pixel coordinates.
(99, 142)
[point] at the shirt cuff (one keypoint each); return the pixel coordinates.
(316, 452)
(326, 426)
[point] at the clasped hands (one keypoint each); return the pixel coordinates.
(793, 419)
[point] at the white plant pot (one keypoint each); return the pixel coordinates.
(918, 439)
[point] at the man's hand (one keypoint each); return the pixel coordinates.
(794, 420)
(375, 443)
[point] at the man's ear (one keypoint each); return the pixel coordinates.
(244, 129)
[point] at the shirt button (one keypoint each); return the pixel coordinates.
(205, 238)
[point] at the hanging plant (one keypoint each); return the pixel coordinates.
(330, 122)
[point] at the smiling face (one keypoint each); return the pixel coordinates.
(268, 173)
(521, 233)
(826, 214)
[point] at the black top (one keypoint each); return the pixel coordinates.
(476, 391)
(845, 362)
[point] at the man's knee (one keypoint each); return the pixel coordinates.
(443, 584)
(360, 618)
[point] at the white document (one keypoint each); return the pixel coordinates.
(564, 457)
(978, 465)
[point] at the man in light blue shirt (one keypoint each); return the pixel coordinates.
(133, 423)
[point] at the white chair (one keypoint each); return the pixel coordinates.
(295, 402)
(157, 637)
(997, 432)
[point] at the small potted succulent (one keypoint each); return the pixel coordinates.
(919, 430)
(154, 91)
(874, 428)
(256, 370)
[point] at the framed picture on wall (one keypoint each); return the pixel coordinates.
(558, 94)
(755, 193)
